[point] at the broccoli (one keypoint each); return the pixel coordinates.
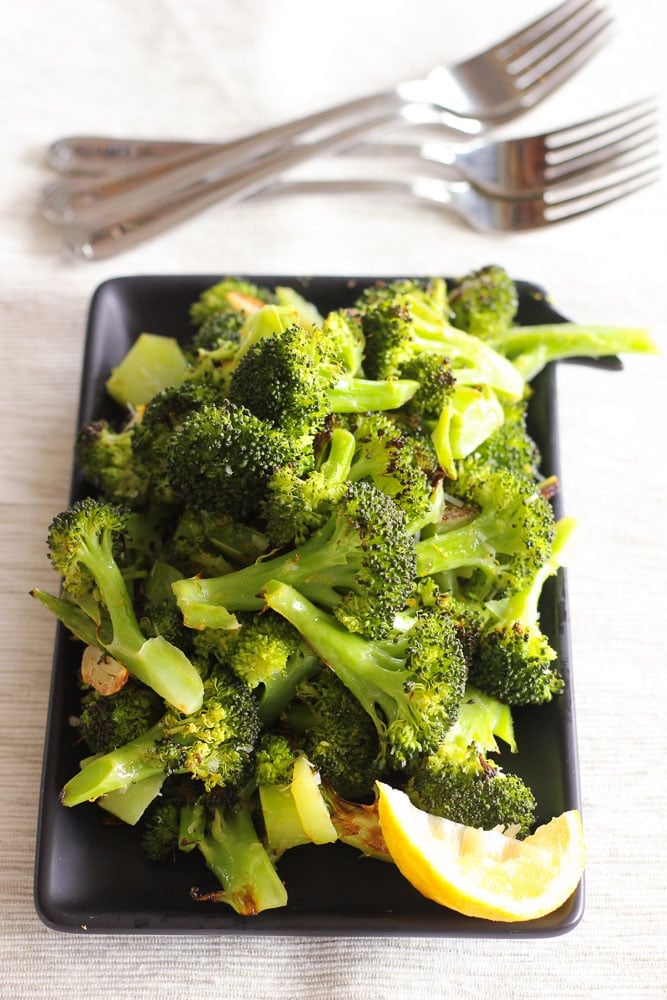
(213, 745)
(231, 297)
(152, 437)
(82, 542)
(530, 348)
(514, 660)
(297, 504)
(108, 721)
(234, 853)
(361, 563)
(222, 458)
(401, 464)
(267, 656)
(404, 321)
(484, 302)
(504, 543)
(335, 732)
(344, 337)
(293, 382)
(509, 447)
(460, 782)
(410, 685)
(106, 459)
(294, 811)
(160, 829)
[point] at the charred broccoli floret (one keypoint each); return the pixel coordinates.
(484, 302)
(411, 685)
(361, 564)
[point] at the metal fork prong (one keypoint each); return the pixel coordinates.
(641, 138)
(599, 166)
(564, 53)
(536, 32)
(561, 204)
(568, 139)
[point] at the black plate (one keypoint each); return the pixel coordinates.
(91, 876)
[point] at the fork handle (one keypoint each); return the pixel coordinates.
(112, 235)
(79, 197)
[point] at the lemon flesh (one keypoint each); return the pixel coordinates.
(483, 873)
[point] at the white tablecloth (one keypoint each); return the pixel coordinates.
(218, 69)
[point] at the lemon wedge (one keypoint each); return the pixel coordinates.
(483, 873)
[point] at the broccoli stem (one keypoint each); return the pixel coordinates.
(336, 466)
(373, 672)
(238, 859)
(532, 347)
(359, 395)
(117, 769)
(72, 617)
(466, 545)
(326, 561)
(155, 661)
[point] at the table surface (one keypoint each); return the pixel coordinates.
(206, 69)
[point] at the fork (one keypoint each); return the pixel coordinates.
(481, 210)
(490, 88)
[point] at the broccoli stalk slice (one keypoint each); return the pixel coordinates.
(135, 761)
(359, 395)
(530, 348)
(234, 853)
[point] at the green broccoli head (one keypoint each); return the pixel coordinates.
(108, 721)
(327, 722)
(222, 457)
(106, 459)
(484, 302)
(461, 784)
(516, 664)
(231, 297)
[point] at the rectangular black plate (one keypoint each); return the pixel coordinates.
(91, 876)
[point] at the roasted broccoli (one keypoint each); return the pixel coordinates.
(361, 564)
(411, 685)
(108, 721)
(484, 302)
(82, 543)
(213, 745)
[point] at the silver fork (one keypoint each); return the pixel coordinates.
(488, 89)
(526, 166)
(481, 210)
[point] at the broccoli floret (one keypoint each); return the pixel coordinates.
(463, 785)
(213, 745)
(152, 439)
(344, 338)
(160, 829)
(335, 732)
(484, 302)
(108, 721)
(82, 543)
(361, 564)
(106, 458)
(400, 464)
(405, 321)
(266, 654)
(297, 504)
(509, 447)
(411, 686)
(222, 458)
(231, 296)
(502, 546)
(293, 382)
(514, 660)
